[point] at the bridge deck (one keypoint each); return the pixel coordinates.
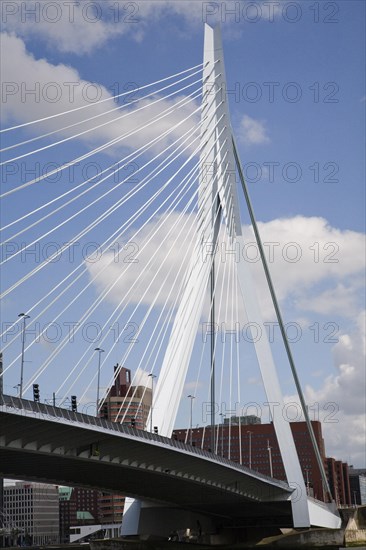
(55, 445)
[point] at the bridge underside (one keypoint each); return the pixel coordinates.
(112, 459)
(174, 493)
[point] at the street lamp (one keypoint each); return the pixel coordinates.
(191, 397)
(152, 393)
(250, 448)
(24, 316)
(269, 449)
(100, 351)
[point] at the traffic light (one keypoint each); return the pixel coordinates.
(36, 393)
(133, 422)
(74, 404)
(156, 431)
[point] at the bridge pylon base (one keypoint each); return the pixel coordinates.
(148, 519)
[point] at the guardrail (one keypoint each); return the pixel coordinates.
(9, 401)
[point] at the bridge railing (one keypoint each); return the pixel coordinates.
(46, 410)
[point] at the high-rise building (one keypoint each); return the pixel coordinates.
(67, 513)
(357, 479)
(128, 405)
(31, 511)
(111, 508)
(255, 445)
(78, 506)
(339, 481)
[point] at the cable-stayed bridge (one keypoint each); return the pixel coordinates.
(179, 483)
(41, 441)
(126, 261)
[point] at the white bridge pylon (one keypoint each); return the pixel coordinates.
(217, 203)
(220, 190)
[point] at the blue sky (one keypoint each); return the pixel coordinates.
(298, 115)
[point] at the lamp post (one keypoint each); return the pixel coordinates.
(269, 449)
(100, 351)
(250, 448)
(191, 397)
(152, 393)
(24, 316)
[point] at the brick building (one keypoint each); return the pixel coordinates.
(339, 480)
(78, 506)
(111, 508)
(124, 403)
(255, 445)
(127, 404)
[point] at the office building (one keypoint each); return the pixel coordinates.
(111, 508)
(78, 506)
(128, 405)
(357, 479)
(31, 512)
(255, 445)
(339, 481)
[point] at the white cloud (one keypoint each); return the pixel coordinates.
(81, 27)
(158, 258)
(252, 132)
(332, 301)
(295, 282)
(67, 26)
(22, 72)
(347, 386)
(341, 398)
(305, 252)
